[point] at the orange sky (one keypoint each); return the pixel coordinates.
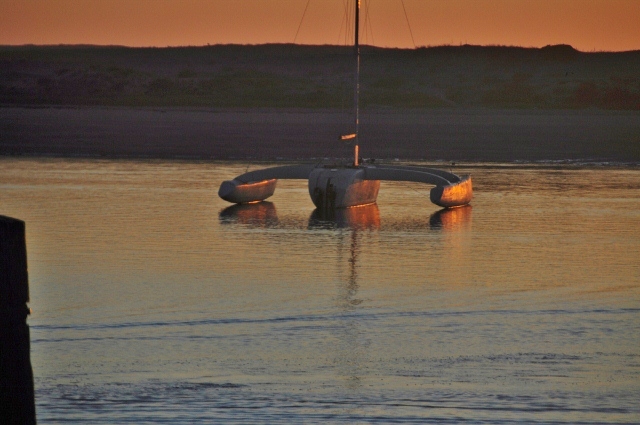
(612, 25)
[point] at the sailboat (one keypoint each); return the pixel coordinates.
(352, 183)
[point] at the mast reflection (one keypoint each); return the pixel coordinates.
(350, 232)
(354, 220)
(350, 225)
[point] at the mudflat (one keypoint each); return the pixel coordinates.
(288, 134)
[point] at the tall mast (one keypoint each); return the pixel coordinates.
(357, 89)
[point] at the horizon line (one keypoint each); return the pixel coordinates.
(311, 45)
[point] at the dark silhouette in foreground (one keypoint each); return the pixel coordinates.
(17, 403)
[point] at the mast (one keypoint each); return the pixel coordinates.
(357, 88)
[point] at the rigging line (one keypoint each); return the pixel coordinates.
(349, 28)
(342, 23)
(367, 22)
(408, 24)
(408, 185)
(345, 22)
(301, 19)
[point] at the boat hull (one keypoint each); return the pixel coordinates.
(453, 195)
(244, 193)
(332, 188)
(347, 186)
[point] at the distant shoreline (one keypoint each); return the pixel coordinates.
(317, 77)
(291, 102)
(463, 135)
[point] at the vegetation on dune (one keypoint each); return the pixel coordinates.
(319, 77)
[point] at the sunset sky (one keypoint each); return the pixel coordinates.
(610, 25)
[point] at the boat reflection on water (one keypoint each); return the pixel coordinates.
(451, 219)
(351, 230)
(350, 226)
(264, 215)
(366, 217)
(258, 214)
(351, 223)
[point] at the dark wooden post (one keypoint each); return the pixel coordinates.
(17, 402)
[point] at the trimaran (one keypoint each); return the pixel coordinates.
(351, 184)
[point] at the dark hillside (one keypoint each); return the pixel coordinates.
(320, 77)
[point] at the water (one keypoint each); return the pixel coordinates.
(155, 303)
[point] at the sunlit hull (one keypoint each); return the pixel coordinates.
(340, 186)
(453, 195)
(244, 193)
(334, 188)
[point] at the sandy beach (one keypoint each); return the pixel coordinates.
(278, 134)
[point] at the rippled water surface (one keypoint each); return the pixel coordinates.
(154, 302)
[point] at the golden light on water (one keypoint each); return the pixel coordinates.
(362, 217)
(260, 214)
(134, 266)
(452, 218)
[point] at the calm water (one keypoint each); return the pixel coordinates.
(153, 302)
